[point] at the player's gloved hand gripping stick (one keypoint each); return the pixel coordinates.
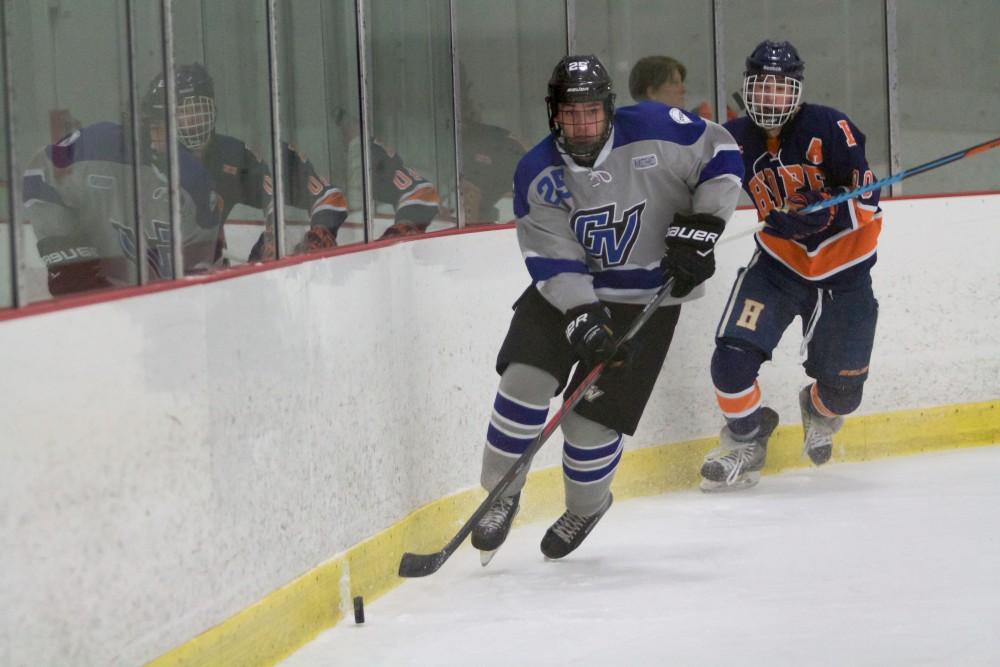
(421, 565)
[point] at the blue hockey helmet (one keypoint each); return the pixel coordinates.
(775, 58)
(580, 79)
(772, 83)
(195, 93)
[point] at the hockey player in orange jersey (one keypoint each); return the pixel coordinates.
(816, 266)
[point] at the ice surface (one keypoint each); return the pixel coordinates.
(893, 562)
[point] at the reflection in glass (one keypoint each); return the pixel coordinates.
(411, 144)
(622, 34)
(506, 53)
(224, 120)
(73, 153)
(317, 55)
(948, 97)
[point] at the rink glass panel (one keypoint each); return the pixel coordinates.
(949, 91)
(229, 37)
(69, 70)
(506, 53)
(408, 60)
(842, 43)
(318, 70)
(620, 33)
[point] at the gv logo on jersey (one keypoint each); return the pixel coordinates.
(605, 237)
(157, 246)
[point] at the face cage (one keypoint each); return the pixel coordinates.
(771, 116)
(581, 152)
(195, 121)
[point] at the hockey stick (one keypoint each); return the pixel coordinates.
(421, 565)
(906, 173)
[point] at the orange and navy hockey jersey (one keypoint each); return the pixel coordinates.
(819, 148)
(414, 198)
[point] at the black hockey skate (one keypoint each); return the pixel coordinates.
(490, 532)
(736, 464)
(569, 531)
(818, 430)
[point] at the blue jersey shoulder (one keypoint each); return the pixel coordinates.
(101, 141)
(226, 149)
(817, 118)
(740, 127)
(655, 121)
(542, 156)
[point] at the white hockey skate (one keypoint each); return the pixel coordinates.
(489, 533)
(736, 464)
(817, 440)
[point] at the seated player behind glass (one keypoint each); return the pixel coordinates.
(237, 173)
(662, 79)
(489, 156)
(414, 199)
(814, 265)
(608, 206)
(79, 197)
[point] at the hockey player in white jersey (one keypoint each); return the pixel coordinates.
(78, 195)
(607, 205)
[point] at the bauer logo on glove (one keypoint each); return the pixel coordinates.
(692, 234)
(689, 257)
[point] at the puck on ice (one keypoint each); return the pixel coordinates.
(359, 609)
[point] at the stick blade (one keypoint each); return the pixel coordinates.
(420, 565)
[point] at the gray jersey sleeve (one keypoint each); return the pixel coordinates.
(554, 257)
(50, 202)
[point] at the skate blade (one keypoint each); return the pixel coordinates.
(708, 486)
(486, 556)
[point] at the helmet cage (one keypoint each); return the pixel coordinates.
(583, 151)
(576, 80)
(771, 99)
(195, 121)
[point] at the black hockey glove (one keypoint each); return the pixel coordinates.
(790, 224)
(588, 330)
(689, 257)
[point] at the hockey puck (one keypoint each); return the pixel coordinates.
(359, 609)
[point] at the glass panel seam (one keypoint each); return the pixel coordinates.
(364, 118)
(16, 270)
(277, 155)
(142, 268)
(173, 166)
(892, 90)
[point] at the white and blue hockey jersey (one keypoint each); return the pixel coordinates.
(78, 195)
(598, 232)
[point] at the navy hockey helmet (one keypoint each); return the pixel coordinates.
(579, 79)
(195, 94)
(772, 83)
